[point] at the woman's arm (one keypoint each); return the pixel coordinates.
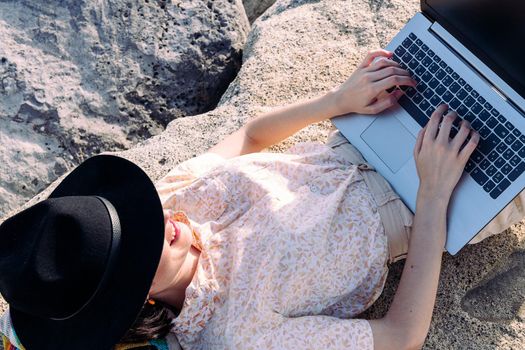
(364, 92)
(440, 163)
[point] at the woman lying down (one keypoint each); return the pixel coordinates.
(239, 249)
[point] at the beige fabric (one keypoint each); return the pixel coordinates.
(397, 218)
(293, 250)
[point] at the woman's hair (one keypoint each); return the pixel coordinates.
(153, 322)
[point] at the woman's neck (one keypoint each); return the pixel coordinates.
(175, 294)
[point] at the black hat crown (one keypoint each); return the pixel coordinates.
(54, 254)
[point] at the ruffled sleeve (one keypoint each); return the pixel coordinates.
(319, 332)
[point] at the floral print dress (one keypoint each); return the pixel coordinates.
(292, 250)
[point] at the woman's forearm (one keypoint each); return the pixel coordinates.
(275, 126)
(415, 297)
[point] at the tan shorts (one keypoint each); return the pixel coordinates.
(396, 217)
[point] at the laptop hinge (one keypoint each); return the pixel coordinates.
(508, 94)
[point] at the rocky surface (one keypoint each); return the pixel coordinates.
(255, 8)
(81, 77)
(299, 49)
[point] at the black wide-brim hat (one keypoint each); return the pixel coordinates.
(102, 322)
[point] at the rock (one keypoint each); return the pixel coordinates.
(255, 8)
(300, 49)
(81, 77)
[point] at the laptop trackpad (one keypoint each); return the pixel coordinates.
(391, 141)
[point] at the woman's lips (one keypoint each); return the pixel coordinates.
(177, 231)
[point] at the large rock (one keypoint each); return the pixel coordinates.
(255, 8)
(300, 49)
(78, 77)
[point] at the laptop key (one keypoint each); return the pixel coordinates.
(501, 119)
(420, 70)
(413, 49)
(492, 122)
(447, 81)
(454, 88)
(521, 152)
(493, 156)
(484, 164)
(474, 93)
(518, 170)
(500, 188)
(406, 43)
(431, 53)
(469, 101)
(516, 146)
(454, 104)
(435, 100)
(413, 64)
(476, 124)
(414, 111)
(477, 108)
(433, 83)
(477, 157)
(420, 55)
(419, 42)
(470, 117)
(491, 170)
(494, 113)
(484, 132)
(484, 115)
(426, 77)
(455, 76)
(433, 68)
(400, 51)
(462, 110)
(427, 61)
(488, 145)
(462, 94)
(497, 177)
(501, 148)
(489, 185)
(508, 154)
(478, 176)
(509, 140)
(506, 169)
(412, 36)
(488, 106)
(443, 65)
(417, 98)
(481, 100)
(424, 105)
(501, 131)
(440, 90)
(440, 74)
(447, 96)
(516, 133)
(514, 161)
(500, 162)
(462, 82)
(428, 94)
(468, 88)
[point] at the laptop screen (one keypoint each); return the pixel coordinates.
(494, 30)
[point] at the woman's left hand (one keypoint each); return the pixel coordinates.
(365, 91)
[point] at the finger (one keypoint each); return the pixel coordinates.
(387, 72)
(419, 142)
(469, 148)
(372, 55)
(446, 126)
(384, 103)
(462, 135)
(381, 63)
(393, 80)
(433, 123)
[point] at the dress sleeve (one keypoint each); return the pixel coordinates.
(185, 173)
(319, 332)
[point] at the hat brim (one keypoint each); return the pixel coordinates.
(104, 321)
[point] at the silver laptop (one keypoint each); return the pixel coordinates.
(470, 55)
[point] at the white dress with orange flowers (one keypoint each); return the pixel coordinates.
(293, 249)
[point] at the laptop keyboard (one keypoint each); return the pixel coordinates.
(497, 161)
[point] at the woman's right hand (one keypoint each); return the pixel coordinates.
(440, 161)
